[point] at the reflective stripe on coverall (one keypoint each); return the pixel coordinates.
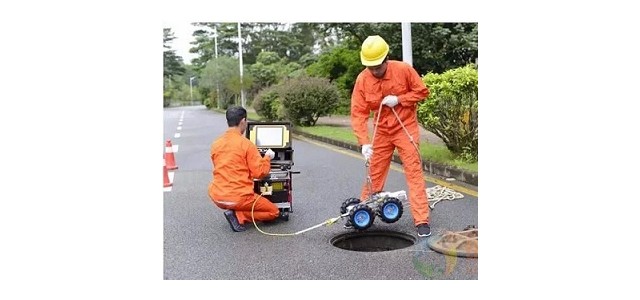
(236, 161)
(401, 80)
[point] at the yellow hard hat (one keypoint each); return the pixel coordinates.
(374, 50)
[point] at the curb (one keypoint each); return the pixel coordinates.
(432, 168)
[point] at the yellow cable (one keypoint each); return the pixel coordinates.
(253, 219)
(333, 220)
(256, 225)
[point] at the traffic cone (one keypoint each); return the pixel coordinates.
(167, 183)
(168, 156)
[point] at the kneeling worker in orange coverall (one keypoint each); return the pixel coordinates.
(394, 84)
(236, 162)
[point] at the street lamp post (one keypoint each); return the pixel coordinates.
(407, 50)
(242, 101)
(191, 87)
(215, 40)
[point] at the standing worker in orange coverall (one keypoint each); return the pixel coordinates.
(236, 162)
(394, 84)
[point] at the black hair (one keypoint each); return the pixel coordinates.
(235, 114)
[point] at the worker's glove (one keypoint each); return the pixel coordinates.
(270, 153)
(367, 151)
(390, 101)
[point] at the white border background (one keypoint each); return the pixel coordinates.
(81, 209)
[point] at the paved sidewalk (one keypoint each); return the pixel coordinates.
(426, 137)
(345, 121)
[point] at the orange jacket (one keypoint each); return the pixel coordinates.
(400, 80)
(236, 162)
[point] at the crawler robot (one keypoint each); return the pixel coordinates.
(386, 205)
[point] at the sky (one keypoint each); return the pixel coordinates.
(183, 32)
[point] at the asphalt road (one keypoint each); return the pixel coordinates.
(198, 243)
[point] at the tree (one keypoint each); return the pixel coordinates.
(203, 45)
(436, 47)
(341, 66)
(173, 65)
(451, 111)
(443, 46)
(223, 74)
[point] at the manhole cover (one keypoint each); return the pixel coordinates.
(461, 243)
(373, 241)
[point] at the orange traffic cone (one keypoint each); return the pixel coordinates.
(168, 156)
(167, 183)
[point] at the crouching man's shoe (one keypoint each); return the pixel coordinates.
(423, 230)
(230, 215)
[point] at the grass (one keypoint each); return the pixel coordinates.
(253, 116)
(334, 132)
(435, 153)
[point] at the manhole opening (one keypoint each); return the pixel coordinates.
(373, 241)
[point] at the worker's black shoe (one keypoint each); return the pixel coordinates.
(230, 215)
(423, 230)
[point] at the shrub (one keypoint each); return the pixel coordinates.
(451, 110)
(304, 99)
(266, 103)
(342, 66)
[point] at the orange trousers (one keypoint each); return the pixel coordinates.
(380, 163)
(264, 209)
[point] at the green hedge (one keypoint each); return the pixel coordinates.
(451, 110)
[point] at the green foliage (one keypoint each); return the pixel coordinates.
(288, 69)
(172, 63)
(268, 58)
(304, 99)
(443, 46)
(451, 110)
(223, 75)
(429, 152)
(176, 92)
(264, 75)
(307, 59)
(266, 103)
(341, 66)
(436, 47)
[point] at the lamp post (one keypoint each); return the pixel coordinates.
(215, 40)
(240, 56)
(191, 87)
(407, 55)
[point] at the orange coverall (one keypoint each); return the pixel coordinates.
(403, 81)
(236, 162)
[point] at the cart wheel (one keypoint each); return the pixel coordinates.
(390, 210)
(284, 215)
(361, 216)
(347, 203)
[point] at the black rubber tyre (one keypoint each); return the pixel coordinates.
(347, 203)
(361, 216)
(284, 216)
(390, 210)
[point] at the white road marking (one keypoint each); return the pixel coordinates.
(177, 135)
(180, 123)
(179, 128)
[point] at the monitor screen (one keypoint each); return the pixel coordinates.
(269, 137)
(269, 134)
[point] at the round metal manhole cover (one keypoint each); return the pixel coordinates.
(373, 241)
(461, 243)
